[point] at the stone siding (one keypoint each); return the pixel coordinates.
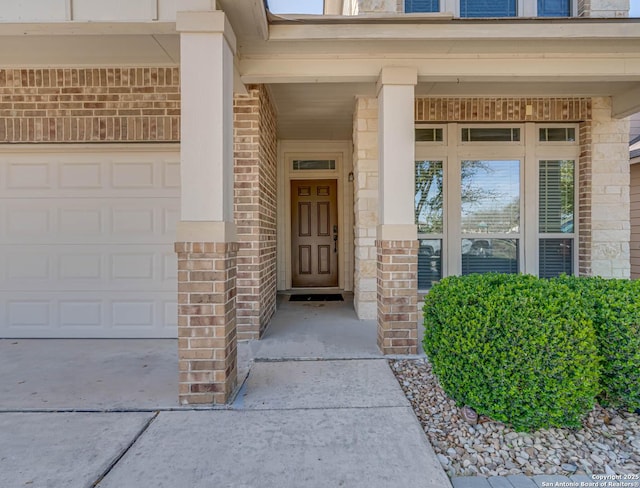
(255, 153)
(610, 225)
(365, 172)
(603, 8)
(76, 105)
(635, 221)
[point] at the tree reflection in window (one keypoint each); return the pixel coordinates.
(429, 197)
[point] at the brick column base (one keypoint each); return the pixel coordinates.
(397, 297)
(207, 354)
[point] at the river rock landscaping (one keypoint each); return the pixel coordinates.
(607, 443)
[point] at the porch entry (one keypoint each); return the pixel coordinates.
(314, 233)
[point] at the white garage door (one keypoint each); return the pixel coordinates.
(87, 241)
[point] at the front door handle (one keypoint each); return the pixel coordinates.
(335, 242)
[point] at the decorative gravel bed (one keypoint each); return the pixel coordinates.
(608, 442)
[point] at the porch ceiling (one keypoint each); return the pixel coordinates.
(324, 111)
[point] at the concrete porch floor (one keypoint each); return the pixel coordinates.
(141, 374)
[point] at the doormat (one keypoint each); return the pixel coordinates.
(313, 297)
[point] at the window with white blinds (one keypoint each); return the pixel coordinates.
(556, 209)
(429, 217)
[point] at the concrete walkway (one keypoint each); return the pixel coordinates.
(294, 424)
(339, 421)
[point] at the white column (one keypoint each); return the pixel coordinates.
(207, 45)
(396, 137)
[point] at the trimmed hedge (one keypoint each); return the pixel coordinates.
(614, 305)
(517, 348)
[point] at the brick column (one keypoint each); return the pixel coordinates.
(397, 296)
(206, 234)
(397, 238)
(206, 321)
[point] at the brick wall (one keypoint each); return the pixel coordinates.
(584, 200)
(365, 173)
(502, 109)
(255, 152)
(207, 354)
(76, 105)
(397, 282)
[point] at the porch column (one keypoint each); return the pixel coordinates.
(397, 244)
(206, 235)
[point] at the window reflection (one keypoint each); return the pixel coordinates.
(490, 197)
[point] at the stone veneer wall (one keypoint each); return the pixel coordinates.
(635, 221)
(610, 179)
(603, 8)
(365, 172)
(255, 153)
(76, 105)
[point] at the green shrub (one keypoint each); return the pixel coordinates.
(519, 349)
(615, 308)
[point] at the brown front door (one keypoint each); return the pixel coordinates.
(314, 230)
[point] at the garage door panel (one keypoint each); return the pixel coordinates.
(75, 176)
(89, 221)
(55, 315)
(86, 248)
(74, 268)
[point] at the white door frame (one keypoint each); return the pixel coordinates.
(341, 151)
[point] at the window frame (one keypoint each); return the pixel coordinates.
(554, 151)
(529, 151)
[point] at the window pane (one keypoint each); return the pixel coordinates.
(429, 135)
(556, 257)
(556, 196)
(428, 197)
(554, 8)
(490, 197)
(557, 134)
(490, 134)
(312, 164)
(421, 6)
(429, 263)
(487, 8)
(489, 256)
